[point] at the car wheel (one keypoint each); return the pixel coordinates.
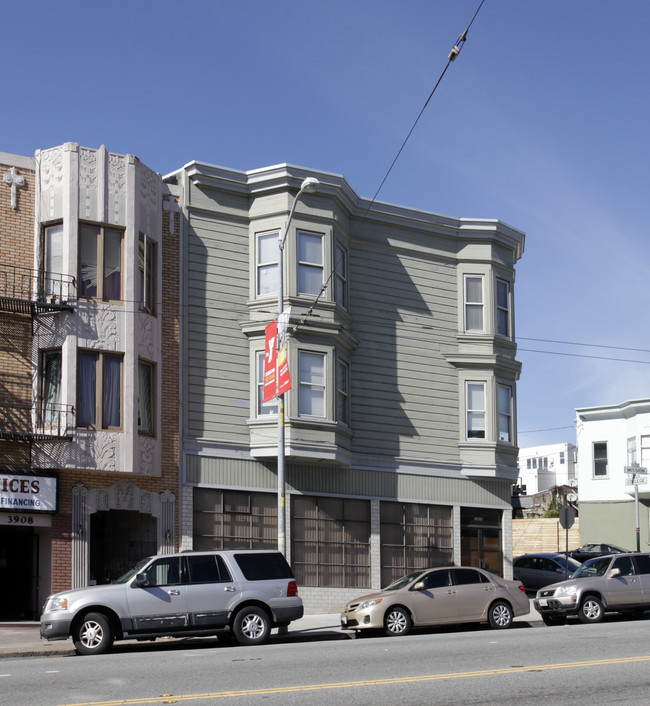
(554, 619)
(397, 622)
(93, 635)
(251, 626)
(591, 610)
(500, 615)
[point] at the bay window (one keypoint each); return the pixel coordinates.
(311, 384)
(503, 307)
(268, 254)
(473, 291)
(50, 386)
(505, 413)
(600, 459)
(343, 392)
(263, 408)
(53, 260)
(341, 280)
(475, 405)
(146, 386)
(310, 263)
(147, 273)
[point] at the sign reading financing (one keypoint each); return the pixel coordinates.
(27, 493)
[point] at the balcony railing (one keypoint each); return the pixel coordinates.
(27, 291)
(53, 422)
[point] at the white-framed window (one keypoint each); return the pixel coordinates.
(100, 262)
(600, 459)
(503, 307)
(99, 390)
(51, 362)
(268, 254)
(147, 273)
(562, 459)
(146, 397)
(53, 260)
(476, 414)
(310, 263)
(343, 392)
(645, 451)
(263, 409)
(474, 303)
(631, 451)
(311, 384)
(341, 274)
(505, 412)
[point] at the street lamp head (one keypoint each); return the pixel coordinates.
(309, 185)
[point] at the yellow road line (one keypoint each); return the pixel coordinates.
(171, 699)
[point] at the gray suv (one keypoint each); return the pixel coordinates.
(620, 582)
(242, 593)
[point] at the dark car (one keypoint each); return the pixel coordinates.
(591, 551)
(537, 570)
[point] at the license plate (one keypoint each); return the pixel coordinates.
(543, 602)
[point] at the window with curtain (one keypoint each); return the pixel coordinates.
(146, 388)
(475, 410)
(505, 415)
(51, 387)
(310, 263)
(311, 384)
(100, 262)
(330, 541)
(474, 303)
(99, 390)
(147, 273)
(268, 254)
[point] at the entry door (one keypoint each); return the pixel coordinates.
(18, 573)
(481, 539)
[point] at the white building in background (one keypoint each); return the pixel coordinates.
(611, 439)
(543, 467)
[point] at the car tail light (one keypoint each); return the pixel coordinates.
(292, 589)
(521, 587)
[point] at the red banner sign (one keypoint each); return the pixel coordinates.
(270, 357)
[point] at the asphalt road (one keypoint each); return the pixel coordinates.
(582, 664)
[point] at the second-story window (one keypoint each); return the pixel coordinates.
(505, 415)
(267, 264)
(311, 384)
(263, 408)
(600, 459)
(53, 261)
(474, 303)
(310, 263)
(476, 410)
(99, 390)
(343, 393)
(503, 307)
(100, 262)
(50, 386)
(147, 273)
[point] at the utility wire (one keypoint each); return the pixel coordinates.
(455, 51)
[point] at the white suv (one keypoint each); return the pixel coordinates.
(244, 593)
(619, 582)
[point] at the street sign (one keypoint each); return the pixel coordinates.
(640, 480)
(635, 469)
(567, 516)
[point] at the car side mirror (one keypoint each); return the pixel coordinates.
(139, 580)
(614, 572)
(419, 586)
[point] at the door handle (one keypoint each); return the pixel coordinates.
(174, 592)
(230, 589)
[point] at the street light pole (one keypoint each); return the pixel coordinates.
(309, 185)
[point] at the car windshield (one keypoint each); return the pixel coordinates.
(595, 567)
(572, 563)
(132, 572)
(403, 582)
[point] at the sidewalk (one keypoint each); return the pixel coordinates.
(22, 639)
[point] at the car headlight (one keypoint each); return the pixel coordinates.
(570, 590)
(369, 604)
(58, 603)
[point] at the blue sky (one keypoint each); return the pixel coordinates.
(541, 122)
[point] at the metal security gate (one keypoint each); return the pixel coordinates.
(118, 539)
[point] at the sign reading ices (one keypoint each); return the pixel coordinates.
(20, 493)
